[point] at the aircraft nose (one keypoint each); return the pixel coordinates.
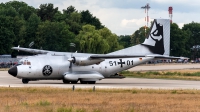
(13, 71)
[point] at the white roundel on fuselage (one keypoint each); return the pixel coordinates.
(47, 70)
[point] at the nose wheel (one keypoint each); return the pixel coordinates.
(25, 81)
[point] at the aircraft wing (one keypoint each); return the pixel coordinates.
(34, 51)
(114, 56)
(132, 56)
(99, 56)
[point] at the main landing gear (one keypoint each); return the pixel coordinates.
(67, 82)
(88, 82)
(75, 82)
(25, 81)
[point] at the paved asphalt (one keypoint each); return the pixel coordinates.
(7, 80)
(146, 67)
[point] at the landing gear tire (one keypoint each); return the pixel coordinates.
(83, 82)
(91, 82)
(74, 82)
(65, 81)
(25, 81)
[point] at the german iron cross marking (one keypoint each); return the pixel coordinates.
(121, 63)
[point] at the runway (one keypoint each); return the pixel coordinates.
(153, 67)
(7, 80)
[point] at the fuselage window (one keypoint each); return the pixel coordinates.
(26, 62)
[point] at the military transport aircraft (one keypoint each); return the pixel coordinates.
(89, 68)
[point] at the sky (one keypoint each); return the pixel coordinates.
(124, 17)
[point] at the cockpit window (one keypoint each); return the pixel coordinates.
(20, 62)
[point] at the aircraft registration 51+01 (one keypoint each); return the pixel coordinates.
(89, 68)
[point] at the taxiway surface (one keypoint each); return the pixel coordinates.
(152, 67)
(7, 80)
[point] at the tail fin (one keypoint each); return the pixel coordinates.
(157, 42)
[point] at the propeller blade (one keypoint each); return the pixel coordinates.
(71, 59)
(70, 66)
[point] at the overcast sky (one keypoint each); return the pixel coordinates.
(124, 17)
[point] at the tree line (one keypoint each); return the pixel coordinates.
(51, 29)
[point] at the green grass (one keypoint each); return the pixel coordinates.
(164, 75)
(62, 109)
(43, 103)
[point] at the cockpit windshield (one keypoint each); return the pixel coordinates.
(20, 62)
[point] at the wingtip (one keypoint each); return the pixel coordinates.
(14, 47)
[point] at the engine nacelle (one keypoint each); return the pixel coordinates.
(84, 61)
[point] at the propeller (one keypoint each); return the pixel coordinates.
(72, 59)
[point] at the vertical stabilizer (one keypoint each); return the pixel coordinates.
(158, 40)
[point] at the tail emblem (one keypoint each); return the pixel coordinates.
(154, 41)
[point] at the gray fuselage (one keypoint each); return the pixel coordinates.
(60, 65)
